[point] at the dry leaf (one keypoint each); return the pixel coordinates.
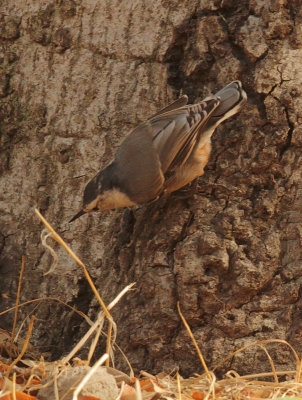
(128, 393)
(260, 393)
(19, 396)
(197, 395)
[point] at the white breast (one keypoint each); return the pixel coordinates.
(113, 199)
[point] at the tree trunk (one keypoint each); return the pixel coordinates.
(76, 77)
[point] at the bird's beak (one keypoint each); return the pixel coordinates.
(79, 214)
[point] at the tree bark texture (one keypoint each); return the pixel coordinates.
(76, 77)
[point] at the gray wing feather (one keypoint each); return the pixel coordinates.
(180, 102)
(139, 167)
(137, 158)
(229, 96)
(169, 140)
(176, 132)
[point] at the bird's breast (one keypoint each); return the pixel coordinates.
(113, 198)
(192, 169)
(202, 153)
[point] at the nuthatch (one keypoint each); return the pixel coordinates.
(162, 154)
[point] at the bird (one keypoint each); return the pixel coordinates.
(162, 154)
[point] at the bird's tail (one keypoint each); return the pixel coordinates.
(232, 98)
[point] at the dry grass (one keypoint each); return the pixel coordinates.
(20, 379)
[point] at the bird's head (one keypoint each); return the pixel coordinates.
(104, 192)
(92, 196)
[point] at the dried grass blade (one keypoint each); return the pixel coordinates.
(178, 386)
(299, 370)
(24, 347)
(14, 387)
(271, 363)
(82, 265)
(261, 342)
(94, 344)
(88, 376)
(44, 236)
(88, 320)
(195, 343)
(17, 301)
(108, 343)
(76, 258)
(98, 323)
(138, 390)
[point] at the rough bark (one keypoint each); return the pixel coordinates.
(75, 77)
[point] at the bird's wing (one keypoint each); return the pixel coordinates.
(138, 166)
(137, 160)
(180, 102)
(176, 132)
